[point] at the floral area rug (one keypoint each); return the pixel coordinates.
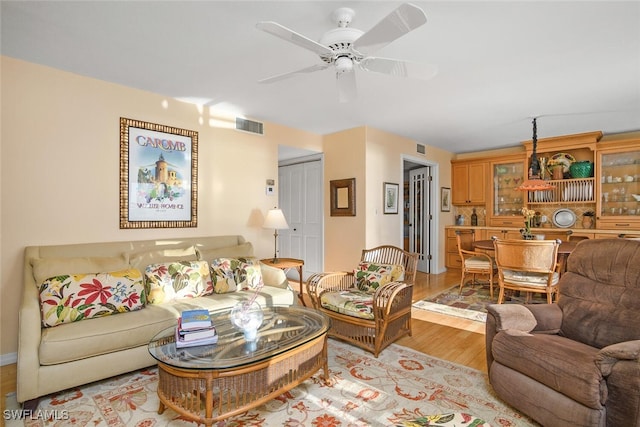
(401, 387)
(471, 303)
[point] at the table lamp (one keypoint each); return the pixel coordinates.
(275, 219)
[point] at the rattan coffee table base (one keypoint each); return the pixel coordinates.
(208, 396)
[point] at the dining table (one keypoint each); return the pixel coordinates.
(564, 250)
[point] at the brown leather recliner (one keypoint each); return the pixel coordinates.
(575, 362)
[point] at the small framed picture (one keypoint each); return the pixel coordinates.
(343, 197)
(390, 198)
(445, 199)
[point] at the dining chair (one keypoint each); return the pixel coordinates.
(528, 266)
(473, 262)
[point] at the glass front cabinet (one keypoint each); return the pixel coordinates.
(507, 173)
(618, 176)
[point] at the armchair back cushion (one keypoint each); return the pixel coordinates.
(370, 276)
(595, 316)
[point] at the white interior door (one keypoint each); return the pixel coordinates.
(300, 198)
(420, 216)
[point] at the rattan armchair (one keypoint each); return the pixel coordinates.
(390, 304)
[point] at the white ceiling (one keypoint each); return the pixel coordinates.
(574, 64)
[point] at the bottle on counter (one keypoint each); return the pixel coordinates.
(474, 218)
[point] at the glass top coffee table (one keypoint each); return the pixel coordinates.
(212, 382)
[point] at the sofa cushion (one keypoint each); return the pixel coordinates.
(93, 337)
(562, 364)
(43, 268)
(185, 279)
(370, 276)
(81, 340)
(74, 297)
(243, 250)
(352, 302)
(142, 259)
(232, 274)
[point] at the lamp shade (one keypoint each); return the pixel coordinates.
(535, 185)
(275, 219)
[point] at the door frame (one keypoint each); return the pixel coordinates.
(436, 234)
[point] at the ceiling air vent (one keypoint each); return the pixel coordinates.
(249, 126)
(420, 149)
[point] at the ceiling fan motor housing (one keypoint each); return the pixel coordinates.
(339, 40)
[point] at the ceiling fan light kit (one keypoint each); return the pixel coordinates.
(346, 48)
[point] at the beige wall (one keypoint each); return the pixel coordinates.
(385, 152)
(344, 236)
(373, 157)
(60, 169)
(59, 178)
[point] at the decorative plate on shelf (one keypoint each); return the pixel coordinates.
(563, 218)
(565, 159)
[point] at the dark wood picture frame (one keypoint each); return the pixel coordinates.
(445, 199)
(390, 197)
(343, 197)
(158, 176)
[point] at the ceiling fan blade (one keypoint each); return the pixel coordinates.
(347, 90)
(311, 69)
(398, 23)
(293, 37)
(398, 68)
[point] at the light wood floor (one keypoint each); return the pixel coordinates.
(457, 340)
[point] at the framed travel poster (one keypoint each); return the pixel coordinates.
(158, 175)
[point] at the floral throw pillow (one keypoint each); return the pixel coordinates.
(370, 276)
(173, 280)
(73, 297)
(234, 274)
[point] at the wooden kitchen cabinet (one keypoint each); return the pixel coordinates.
(468, 182)
(505, 201)
(618, 180)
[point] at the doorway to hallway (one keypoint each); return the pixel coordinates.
(418, 230)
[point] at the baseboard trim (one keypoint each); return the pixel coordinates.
(8, 359)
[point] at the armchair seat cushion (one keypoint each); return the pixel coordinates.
(352, 302)
(560, 363)
(479, 262)
(531, 278)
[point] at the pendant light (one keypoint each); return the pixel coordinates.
(534, 183)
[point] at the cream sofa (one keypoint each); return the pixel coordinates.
(56, 358)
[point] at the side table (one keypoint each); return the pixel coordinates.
(286, 264)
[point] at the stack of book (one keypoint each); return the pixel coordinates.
(195, 327)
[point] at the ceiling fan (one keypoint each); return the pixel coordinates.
(346, 48)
